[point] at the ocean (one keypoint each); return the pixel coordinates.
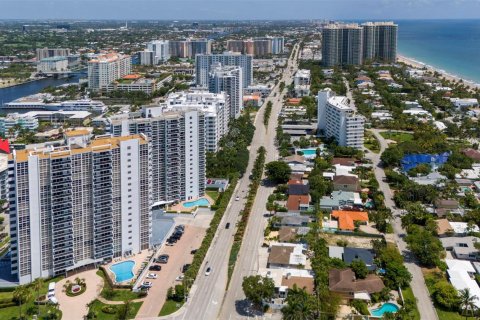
(450, 45)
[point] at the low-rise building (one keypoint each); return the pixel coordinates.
(464, 102)
(462, 247)
(349, 254)
(346, 183)
(348, 219)
(14, 122)
(133, 82)
(344, 283)
(341, 199)
(287, 255)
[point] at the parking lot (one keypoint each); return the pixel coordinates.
(179, 254)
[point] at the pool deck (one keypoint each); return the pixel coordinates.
(138, 258)
(180, 208)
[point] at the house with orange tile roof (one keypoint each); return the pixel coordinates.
(347, 219)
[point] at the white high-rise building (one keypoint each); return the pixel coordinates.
(338, 120)
(342, 44)
(228, 79)
(53, 64)
(215, 106)
(278, 45)
(160, 49)
(147, 57)
(79, 204)
(380, 41)
(203, 63)
(107, 68)
(177, 140)
(43, 53)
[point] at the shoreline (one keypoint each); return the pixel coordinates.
(451, 77)
(19, 84)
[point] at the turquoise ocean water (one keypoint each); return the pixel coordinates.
(450, 45)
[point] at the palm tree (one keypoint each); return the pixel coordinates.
(467, 301)
(37, 286)
(21, 295)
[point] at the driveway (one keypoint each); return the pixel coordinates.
(179, 255)
(75, 308)
(424, 303)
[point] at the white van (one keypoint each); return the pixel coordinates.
(51, 289)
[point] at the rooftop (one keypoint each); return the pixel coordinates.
(346, 219)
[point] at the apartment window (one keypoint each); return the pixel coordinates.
(128, 148)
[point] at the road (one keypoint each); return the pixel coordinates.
(235, 306)
(424, 303)
(208, 292)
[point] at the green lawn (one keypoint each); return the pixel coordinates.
(116, 294)
(408, 295)
(96, 307)
(213, 194)
(170, 307)
(397, 136)
(13, 312)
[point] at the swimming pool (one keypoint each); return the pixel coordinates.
(308, 152)
(123, 271)
(199, 202)
(386, 307)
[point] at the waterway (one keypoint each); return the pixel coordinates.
(12, 93)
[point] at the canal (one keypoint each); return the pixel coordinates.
(12, 93)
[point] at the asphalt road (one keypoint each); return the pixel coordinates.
(208, 292)
(235, 306)
(424, 303)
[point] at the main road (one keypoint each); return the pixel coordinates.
(208, 292)
(424, 303)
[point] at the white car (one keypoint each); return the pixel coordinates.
(152, 276)
(237, 198)
(180, 278)
(147, 284)
(208, 271)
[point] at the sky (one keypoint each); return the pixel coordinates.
(239, 9)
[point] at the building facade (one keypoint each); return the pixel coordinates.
(107, 68)
(79, 204)
(53, 64)
(338, 120)
(380, 41)
(43, 53)
(342, 44)
(13, 121)
(278, 45)
(203, 63)
(178, 154)
(262, 47)
(160, 49)
(228, 79)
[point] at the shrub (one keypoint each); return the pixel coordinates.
(109, 309)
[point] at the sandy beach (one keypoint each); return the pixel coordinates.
(420, 65)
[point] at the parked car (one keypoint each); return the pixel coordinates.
(180, 278)
(147, 284)
(155, 267)
(237, 198)
(208, 271)
(163, 258)
(185, 267)
(227, 226)
(180, 227)
(152, 276)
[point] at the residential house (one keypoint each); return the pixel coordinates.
(298, 202)
(460, 274)
(473, 154)
(347, 219)
(341, 199)
(286, 279)
(296, 187)
(287, 255)
(293, 221)
(344, 161)
(349, 254)
(444, 206)
(344, 283)
(450, 228)
(346, 183)
(461, 247)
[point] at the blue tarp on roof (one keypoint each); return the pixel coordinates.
(412, 160)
